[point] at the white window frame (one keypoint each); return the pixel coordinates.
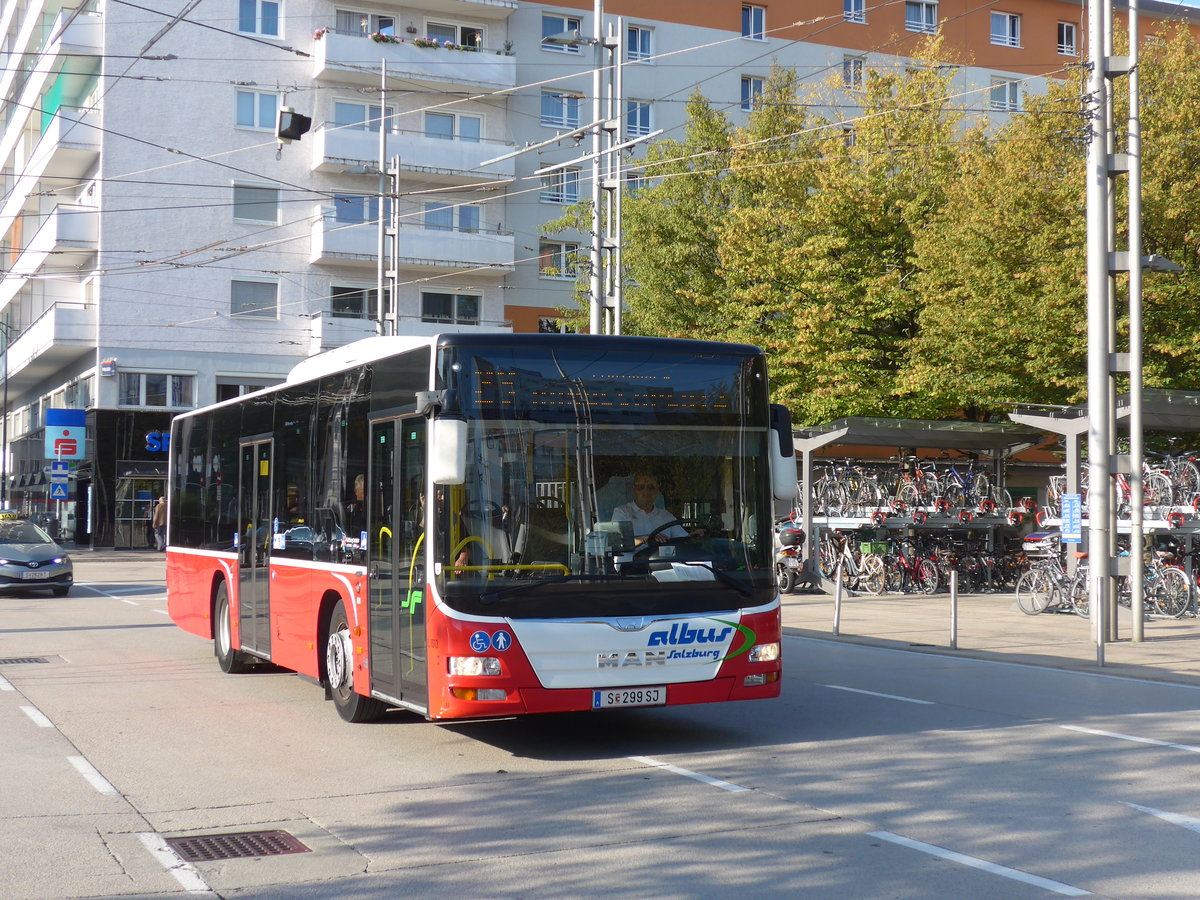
(568, 23)
(370, 119)
(1068, 41)
(368, 23)
(562, 98)
(175, 382)
(458, 27)
(344, 203)
(1006, 29)
(558, 253)
(561, 187)
(639, 118)
(455, 317)
(854, 72)
(456, 130)
(749, 100)
(248, 201)
(259, 7)
(1005, 94)
(260, 115)
(642, 53)
(273, 315)
(855, 11)
(754, 22)
(366, 292)
(921, 16)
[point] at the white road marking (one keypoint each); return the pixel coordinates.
(1130, 737)
(5, 685)
(187, 877)
(687, 773)
(840, 687)
(92, 775)
(38, 719)
(162, 611)
(1191, 824)
(983, 865)
(130, 602)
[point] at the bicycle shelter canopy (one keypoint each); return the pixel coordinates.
(997, 440)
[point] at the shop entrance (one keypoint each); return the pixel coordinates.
(135, 498)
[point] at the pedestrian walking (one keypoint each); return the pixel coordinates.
(160, 524)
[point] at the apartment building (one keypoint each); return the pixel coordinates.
(161, 249)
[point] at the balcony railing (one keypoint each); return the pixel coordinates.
(342, 242)
(341, 148)
(64, 241)
(61, 334)
(356, 59)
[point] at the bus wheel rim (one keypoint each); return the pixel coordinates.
(337, 658)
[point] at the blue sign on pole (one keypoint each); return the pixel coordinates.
(1072, 519)
(58, 491)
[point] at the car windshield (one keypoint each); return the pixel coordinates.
(22, 533)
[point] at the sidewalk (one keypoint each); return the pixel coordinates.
(990, 626)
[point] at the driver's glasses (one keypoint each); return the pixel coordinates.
(645, 487)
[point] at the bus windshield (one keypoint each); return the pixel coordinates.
(605, 482)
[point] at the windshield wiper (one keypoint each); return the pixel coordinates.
(493, 596)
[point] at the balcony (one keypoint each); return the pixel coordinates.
(59, 336)
(350, 243)
(469, 9)
(64, 242)
(355, 59)
(328, 332)
(338, 149)
(70, 145)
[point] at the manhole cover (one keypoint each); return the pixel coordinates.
(21, 660)
(206, 847)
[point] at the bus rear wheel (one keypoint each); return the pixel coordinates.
(231, 661)
(339, 672)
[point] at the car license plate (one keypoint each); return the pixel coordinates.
(35, 576)
(642, 696)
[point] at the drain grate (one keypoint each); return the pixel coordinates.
(208, 847)
(21, 660)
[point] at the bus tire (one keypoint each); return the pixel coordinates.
(339, 671)
(232, 662)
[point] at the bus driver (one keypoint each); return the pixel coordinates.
(644, 515)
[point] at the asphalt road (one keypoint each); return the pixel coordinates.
(878, 774)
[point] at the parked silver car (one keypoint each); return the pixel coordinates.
(30, 559)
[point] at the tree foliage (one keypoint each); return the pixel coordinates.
(911, 260)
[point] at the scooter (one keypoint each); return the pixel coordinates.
(789, 563)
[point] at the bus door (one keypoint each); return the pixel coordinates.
(396, 560)
(254, 545)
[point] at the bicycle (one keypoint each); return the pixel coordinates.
(862, 573)
(907, 569)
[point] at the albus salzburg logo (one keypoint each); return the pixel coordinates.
(682, 642)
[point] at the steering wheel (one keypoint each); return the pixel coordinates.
(687, 524)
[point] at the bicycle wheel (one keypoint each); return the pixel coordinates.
(1171, 593)
(1035, 591)
(1187, 482)
(828, 559)
(872, 577)
(927, 574)
(1156, 490)
(953, 495)
(893, 575)
(1080, 595)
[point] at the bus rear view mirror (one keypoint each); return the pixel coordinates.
(782, 454)
(448, 453)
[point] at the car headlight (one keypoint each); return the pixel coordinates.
(474, 665)
(3, 562)
(764, 653)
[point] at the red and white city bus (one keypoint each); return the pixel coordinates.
(429, 524)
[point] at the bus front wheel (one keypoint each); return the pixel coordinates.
(339, 672)
(231, 661)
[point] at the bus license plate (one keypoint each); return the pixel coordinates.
(35, 576)
(642, 696)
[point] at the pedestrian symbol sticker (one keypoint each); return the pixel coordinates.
(501, 640)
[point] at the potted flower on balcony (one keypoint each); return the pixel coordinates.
(426, 42)
(320, 33)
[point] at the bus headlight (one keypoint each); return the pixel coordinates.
(474, 665)
(764, 652)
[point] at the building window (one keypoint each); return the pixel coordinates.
(752, 88)
(560, 109)
(157, 389)
(848, 137)
(855, 11)
(557, 25)
(351, 22)
(558, 259)
(256, 110)
(258, 17)
(635, 180)
(1006, 29)
(637, 117)
(352, 302)
(355, 209)
(637, 43)
(441, 217)
(254, 299)
(754, 22)
(1066, 39)
(453, 127)
(450, 309)
(1006, 94)
(255, 204)
(359, 116)
(921, 15)
(560, 187)
(466, 37)
(853, 77)
(232, 390)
